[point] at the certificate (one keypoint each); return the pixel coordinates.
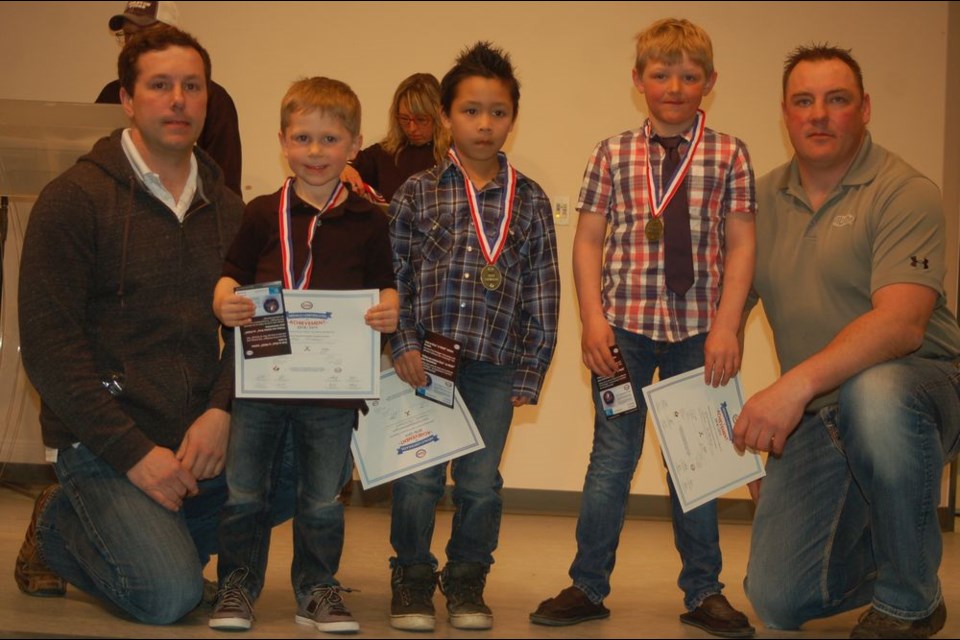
(694, 422)
(404, 433)
(333, 353)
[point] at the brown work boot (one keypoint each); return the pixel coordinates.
(873, 624)
(32, 575)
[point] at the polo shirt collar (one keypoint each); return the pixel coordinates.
(352, 203)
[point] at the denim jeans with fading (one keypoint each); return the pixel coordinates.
(321, 444)
(104, 535)
(486, 390)
(617, 445)
(848, 513)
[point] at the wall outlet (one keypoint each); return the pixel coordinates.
(561, 210)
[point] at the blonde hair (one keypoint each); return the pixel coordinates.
(667, 40)
(421, 93)
(330, 97)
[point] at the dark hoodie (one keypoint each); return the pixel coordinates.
(114, 287)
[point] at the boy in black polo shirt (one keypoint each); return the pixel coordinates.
(282, 238)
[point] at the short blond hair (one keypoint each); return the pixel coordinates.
(330, 97)
(667, 40)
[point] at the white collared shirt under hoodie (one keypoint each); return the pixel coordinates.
(151, 179)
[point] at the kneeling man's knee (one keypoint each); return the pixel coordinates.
(168, 599)
(777, 606)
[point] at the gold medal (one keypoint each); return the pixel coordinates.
(490, 277)
(654, 230)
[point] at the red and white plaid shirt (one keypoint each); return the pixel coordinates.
(635, 295)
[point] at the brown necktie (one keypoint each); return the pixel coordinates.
(678, 252)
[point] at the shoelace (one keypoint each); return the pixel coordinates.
(233, 596)
(331, 597)
(234, 599)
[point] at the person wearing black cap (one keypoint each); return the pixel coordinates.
(221, 134)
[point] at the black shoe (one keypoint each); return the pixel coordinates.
(411, 608)
(717, 617)
(571, 606)
(873, 624)
(463, 584)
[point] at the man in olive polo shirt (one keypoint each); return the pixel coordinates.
(850, 269)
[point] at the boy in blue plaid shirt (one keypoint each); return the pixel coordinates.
(476, 261)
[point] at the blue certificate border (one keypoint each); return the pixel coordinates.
(475, 444)
(291, 297)
(671, 466)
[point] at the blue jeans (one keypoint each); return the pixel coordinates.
(203, 511)
(848, 514)
(486, 389)
(321, 438)
(617, 445)
(105, 536)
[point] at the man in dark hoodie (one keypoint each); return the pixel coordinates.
(119, 264)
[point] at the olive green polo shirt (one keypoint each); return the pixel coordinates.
(816, 270)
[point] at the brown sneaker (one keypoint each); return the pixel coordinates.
(571, 606)
(717, 617)
(32, 575)
(873, 624)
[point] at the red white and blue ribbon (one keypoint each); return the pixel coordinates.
(490, 252)
(290, 280)
(373, 195)
(659, 201)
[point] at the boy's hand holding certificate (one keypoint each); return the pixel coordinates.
(267, 334)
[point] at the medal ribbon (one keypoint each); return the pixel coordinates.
(490, 253)
(290, 280)
(660, 201)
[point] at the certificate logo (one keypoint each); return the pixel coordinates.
(271, 305)
(421, 453)
(306, 304)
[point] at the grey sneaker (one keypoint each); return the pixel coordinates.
(873, 624)
(463, 584)
(325, 610)
(232, 610)
(411, 608)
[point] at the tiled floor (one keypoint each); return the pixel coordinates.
(532, 562)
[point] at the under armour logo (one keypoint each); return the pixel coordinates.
(917, 262)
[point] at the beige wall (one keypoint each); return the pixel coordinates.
(574, 62)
